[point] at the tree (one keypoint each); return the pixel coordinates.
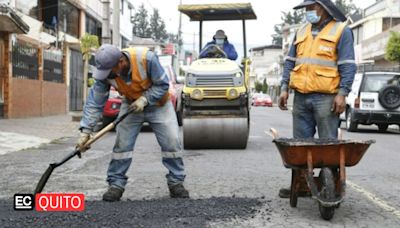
(258, 86)
(265, 86)
(288, 18)
(87, 43)
(157, 27)
(393, 48)
(346, 6)
(141, 27)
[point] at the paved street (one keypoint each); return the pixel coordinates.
(229, 188)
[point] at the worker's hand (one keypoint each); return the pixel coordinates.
(139, 104)
(83, 138)
(339, 104)
(283, 100)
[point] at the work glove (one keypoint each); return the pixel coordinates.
(139, 104)
(83, 138)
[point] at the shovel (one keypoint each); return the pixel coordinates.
(46, 175)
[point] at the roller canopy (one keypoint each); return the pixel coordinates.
(218, 12)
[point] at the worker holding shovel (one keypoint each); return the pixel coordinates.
(138, 76)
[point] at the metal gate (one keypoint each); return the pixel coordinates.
(76, 81)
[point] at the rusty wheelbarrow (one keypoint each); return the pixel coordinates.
(331, 156)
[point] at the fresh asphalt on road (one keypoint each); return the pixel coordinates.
(228, 188)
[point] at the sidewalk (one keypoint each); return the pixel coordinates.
(18, 134)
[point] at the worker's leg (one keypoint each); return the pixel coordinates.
(165, 126)
(303, 116)
(121, 158)
(327, 121)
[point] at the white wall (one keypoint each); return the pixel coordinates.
(125, 25)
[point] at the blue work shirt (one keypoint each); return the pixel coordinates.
(346, 60)
(98, 93)
(229, 49)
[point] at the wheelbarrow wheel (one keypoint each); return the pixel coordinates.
(327, 192)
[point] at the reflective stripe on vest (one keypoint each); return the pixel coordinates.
(316, 67)
(315, 61)
(139, 80)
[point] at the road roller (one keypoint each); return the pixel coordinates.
(215, 97)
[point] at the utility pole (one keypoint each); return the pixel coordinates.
(180, 35)
(116, 13)
(105, 33)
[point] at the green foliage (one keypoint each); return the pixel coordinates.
(153, 27)
(258, 86)
(91, 82)
(87, 43)
(288, 18)
(141, 27)
(157, 27)
(393, 48)
(265, 86)
(346, 6)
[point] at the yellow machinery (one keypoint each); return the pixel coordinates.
(216, 91)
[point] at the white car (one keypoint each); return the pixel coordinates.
(374, 99)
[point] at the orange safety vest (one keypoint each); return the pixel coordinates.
(139, 80)
(316, 67)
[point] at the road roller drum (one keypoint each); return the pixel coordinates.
(215, 133)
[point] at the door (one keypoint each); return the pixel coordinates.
(76, 81)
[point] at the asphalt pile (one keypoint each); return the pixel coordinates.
(164, 212)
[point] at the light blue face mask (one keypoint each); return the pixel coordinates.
(219, 42)
(312, 17)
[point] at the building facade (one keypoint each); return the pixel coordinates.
(372, 32)
(266, 65)
(41, 69)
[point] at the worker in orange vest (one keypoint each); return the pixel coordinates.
(320, 68)
(138, 76)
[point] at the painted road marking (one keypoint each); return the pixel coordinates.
(381, 203)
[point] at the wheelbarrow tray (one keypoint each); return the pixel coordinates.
(325, 153)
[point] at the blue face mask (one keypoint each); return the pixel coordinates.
(219, 41)
(312, 17)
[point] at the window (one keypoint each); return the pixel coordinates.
(62, 15)
(28, 7)
(374, 83)
(124, 42)
(122, 7)
(93, 26)
(68, 18)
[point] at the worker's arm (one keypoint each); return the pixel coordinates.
(346, 61)
(290, 62)
(231, 52)
(203, 52)
(160, 80)
(93, 109)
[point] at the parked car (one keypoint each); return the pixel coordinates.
(112, 106)
(262, 100)
(175, 91)
(374, 99)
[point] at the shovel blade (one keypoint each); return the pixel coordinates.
(43, 180)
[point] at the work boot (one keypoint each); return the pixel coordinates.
(178, 191)
(113, 194)
(285, 193)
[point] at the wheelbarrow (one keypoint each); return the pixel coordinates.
(331, 156)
